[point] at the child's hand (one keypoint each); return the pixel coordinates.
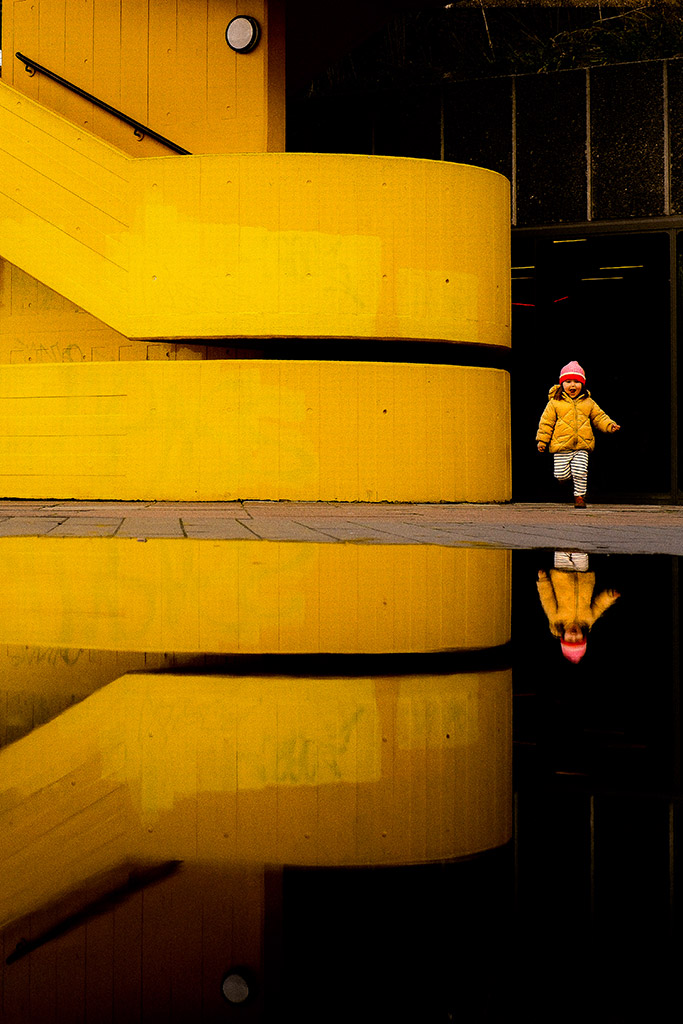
(542, 445)
(613, 427)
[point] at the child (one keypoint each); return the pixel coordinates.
(567, 423)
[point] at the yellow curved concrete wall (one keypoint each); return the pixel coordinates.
(257, 244)
(239, 429)
(256, 771)
(250, 597)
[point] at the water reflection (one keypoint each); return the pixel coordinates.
(569, 599)
(251, 597)
(597, 798)
(311, 798)
(170, 820)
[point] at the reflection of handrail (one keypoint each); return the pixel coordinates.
(138, 879)
(140, 129)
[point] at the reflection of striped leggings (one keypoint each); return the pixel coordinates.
(574, 465)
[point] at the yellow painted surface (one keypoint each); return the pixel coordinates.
(240, 429)
(38, 682)
(249, 597)
(164, 63)
(256, 244)
(254, 771)
(37, 325)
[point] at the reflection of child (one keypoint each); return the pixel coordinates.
(567, 424)
(566, 593)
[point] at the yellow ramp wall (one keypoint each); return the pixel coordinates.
(240, 429)
(256, 244)
(37, 325)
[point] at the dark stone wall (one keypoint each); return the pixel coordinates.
(627, 141)
(477, 122)
(600, 144)
(551, 148)
(675, 106)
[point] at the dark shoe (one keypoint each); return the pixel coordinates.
(579, 501)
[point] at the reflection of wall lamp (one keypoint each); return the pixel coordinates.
(237, 986)
(615, 278)
(242, 34)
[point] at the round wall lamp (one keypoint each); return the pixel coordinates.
(243, 34)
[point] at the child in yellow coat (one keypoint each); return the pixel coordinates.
(566, 426)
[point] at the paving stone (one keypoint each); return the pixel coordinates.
(334, 529)
(141, 526)
(385, 531)
(82, 526)
(275, 528)
(637, 529)
(217, 527)
(27, 526)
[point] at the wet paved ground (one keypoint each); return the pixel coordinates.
(635, 529)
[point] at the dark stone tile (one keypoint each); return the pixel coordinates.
(627, 140)
(478, 124)
(675, 76)
(551, 148)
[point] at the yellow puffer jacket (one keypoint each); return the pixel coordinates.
(567, 423)
(567, 598)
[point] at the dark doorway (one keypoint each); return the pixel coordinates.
(603, 300)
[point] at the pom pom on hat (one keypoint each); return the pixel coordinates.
(573, 652)
(572, 371)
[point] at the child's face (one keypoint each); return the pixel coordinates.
(572, 387)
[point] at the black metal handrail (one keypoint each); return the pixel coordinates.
(139, 129)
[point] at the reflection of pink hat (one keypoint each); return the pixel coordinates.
(573, 652)
(572, 371)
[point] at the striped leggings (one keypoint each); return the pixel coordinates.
(574, 465)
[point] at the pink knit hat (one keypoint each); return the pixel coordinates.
(572, 371)
(573, 652)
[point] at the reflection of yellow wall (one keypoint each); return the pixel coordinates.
(254, 244)
(251, 596)
(37, 683)
(256, 771)
(159, 956)
(239, 429)
(163, 62)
